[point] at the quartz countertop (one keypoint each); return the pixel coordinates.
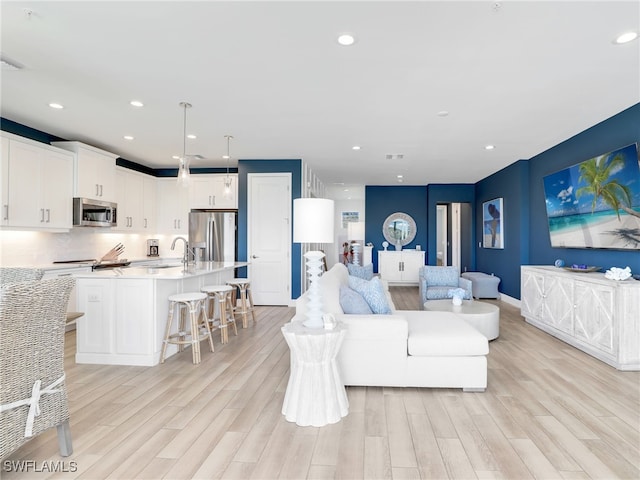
(168, 271)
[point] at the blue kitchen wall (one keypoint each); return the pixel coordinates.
(512, 185)
(380, 202)
(270, 166)
(618, 131)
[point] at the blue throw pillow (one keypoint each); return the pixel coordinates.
(352, 302)
(359, 271)
(373, 292)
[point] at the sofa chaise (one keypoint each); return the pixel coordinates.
(402, 348)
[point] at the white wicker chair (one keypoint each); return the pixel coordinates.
(19, 274)
(33, 395)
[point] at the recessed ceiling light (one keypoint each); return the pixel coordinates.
(489, 147)
(128, 137)
(443, 113)
(226, 157)
(191, 136)
(626, 38)
(175, 157)
(136, 103)
(56, 105)
(346, 39)
(355, 147)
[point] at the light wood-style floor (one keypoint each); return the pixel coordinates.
(550, 411)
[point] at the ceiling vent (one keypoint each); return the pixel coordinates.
(395, 156)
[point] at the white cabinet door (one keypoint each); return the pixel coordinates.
(149, 204)
(95, 171)
(57, 189)
(412, 261)
(130, 200)
(25, 185)
(594, 315)
(389, 266)
(39, 186)
(557, 303)
(4, 180)
(210, 191)
(173, 207)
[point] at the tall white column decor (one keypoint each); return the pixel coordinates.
(313, 220)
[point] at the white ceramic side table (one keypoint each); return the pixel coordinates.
(315, 393)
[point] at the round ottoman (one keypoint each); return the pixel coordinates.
(484, 317)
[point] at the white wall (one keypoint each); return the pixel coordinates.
(23, 248)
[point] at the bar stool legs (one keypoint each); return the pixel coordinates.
(246, 300)
(222, 295)
(191, 306)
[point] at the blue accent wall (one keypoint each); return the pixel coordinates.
(611, 134)
(512, 185)
(270, 166)
(380, 202)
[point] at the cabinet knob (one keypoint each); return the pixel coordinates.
(254, 256)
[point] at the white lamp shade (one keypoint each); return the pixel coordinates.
(313, 220)
(355, 230)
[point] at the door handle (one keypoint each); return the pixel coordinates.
(48, 215)
(145, 223)
(100, 190)
(97, 190)
(41, 215)
(254, 256)
(6, 212)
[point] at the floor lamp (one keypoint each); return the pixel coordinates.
(355, 231)
(313, 222)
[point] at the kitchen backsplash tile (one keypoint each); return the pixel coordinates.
(23, 248)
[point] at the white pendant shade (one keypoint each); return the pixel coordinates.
(313, 220)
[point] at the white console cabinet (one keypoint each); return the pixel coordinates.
(599, 316)
(400, 267)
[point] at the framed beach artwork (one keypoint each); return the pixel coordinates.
(596, 203)
(493, 224)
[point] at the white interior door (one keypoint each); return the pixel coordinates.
(442, 241)
(455, 235)
(269, 237)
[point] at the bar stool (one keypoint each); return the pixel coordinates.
(246, 300)
(191, 304)
(221, 294)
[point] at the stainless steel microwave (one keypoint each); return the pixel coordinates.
(94, 213)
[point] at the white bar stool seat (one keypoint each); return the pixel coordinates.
(246, 299)
(192, 305)
(222, 295)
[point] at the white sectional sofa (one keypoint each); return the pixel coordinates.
(403, 348)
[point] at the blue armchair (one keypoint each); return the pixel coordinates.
(435, 283)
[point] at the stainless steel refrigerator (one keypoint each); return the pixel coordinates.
(213, 235)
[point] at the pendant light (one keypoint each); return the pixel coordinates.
(227, 180)
(183, 166)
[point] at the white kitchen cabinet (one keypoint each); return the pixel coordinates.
(136, 201)
(401, 266)
(72, 306)
(94, 171)
(37, 185)
(208, 191)
(149, 211)
(586, 310)
(4, 180)
(93, 330)
(173, 207)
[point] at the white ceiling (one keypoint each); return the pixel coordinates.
(523, 76)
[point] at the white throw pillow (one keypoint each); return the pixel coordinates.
(329, 288)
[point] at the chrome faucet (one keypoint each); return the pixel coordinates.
(185, 254)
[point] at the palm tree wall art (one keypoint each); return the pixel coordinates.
(596, 203)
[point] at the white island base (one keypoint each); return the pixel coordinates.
(125, 310)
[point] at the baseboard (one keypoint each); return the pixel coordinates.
(510, 300)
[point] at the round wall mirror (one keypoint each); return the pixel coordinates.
(399, 229)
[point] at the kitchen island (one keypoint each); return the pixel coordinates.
(126, 309)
